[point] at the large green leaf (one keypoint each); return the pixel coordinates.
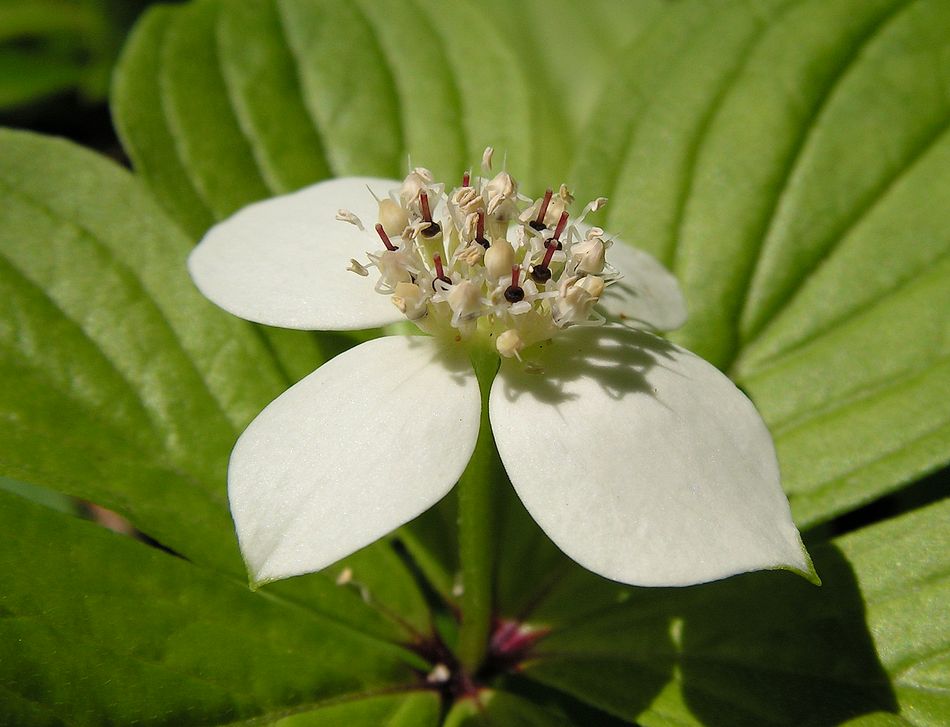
(790, 163)
(98, 629)
(123, 386)
(766, 648)
(220, 103)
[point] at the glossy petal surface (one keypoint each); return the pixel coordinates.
(364, 444)
(283, 262)
(642, 462)
(648, 295)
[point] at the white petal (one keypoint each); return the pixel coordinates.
(648, 295)
(365, 443)
(643, 462)
(283, 261)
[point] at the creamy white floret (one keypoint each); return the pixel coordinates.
(481, 259)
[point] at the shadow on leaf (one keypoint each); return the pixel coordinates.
(768, 648)
(757, 649)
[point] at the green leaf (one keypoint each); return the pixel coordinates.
(139, 112)
(409, 709)
(154, 638)
(492, 707)
(790, 163)
(767, 648)
(221, 103)
(123, 386)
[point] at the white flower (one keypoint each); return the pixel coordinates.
(640, 460)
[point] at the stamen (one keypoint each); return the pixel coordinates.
(424, 203)
(467, 179)
(439, 272)
(542, 273)
(385, 238)
(538, 223)
(433, 228)
(480, 230)
(561, 224)
(514, 293)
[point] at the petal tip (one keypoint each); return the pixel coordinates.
(807, 572)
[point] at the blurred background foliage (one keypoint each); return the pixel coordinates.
(56, 59)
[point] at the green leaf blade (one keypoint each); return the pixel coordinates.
(210, 141)
(742, 167)
(263, 88)
(139, 114)
(154, 637)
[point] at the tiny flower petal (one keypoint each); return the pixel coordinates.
(648, 295)
(364, 444)
(643, 462)
(283, 261)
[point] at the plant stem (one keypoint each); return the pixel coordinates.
(476, 519)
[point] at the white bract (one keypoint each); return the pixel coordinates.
(640, 460)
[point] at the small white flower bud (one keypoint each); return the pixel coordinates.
(499, 258)
(577, 299)
(588, 257)
(554, 212)
(509, 343)
(392, 268)
(410, 300)
(501, 190)
(465, 300)
(392, 217)
(414, 183)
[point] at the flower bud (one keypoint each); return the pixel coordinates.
(587, 256)
(414, 183)
(501, 190)
(465, 300)
(392, 268)
(410, 300)
(577, 299)
(392, 217)
(509, 343)
(498, 259)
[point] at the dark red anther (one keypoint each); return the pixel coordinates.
(440, 271)
(561, 224)
(538, 222)
(385, 238)
(467, 179)
(480, 230)
(514, 293)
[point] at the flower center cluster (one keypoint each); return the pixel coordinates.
(482, 259)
